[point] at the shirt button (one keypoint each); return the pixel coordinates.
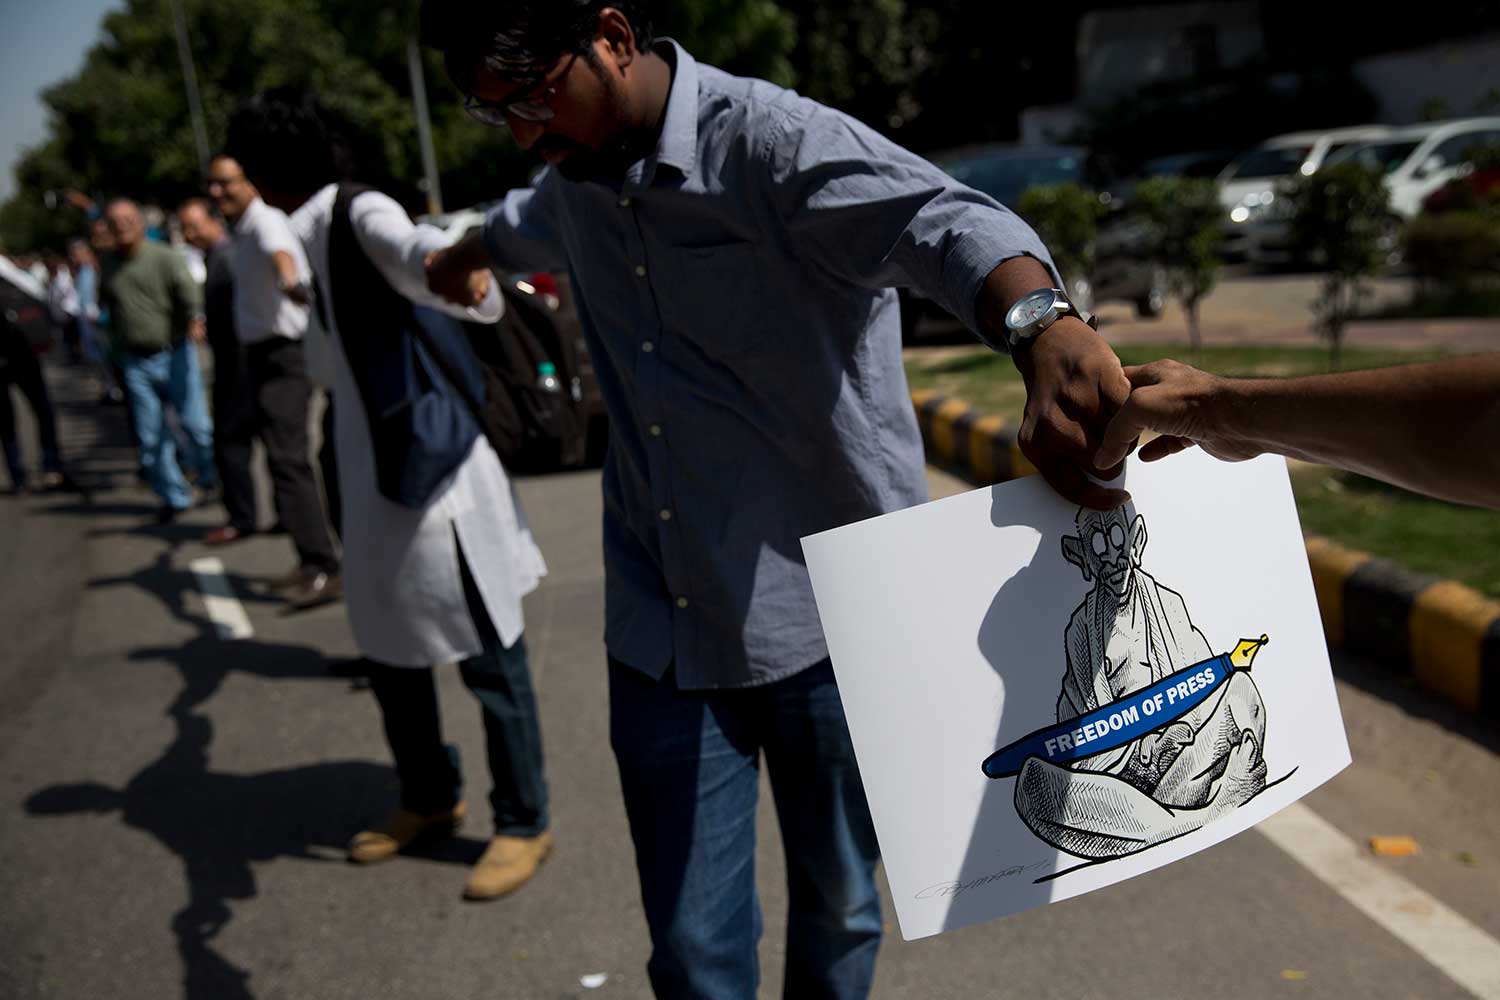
(625, 201)
(656, 430)
(682, 602)
(647, 346)
(666, 515)
(640, 270)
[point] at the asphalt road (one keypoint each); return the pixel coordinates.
(173, 806)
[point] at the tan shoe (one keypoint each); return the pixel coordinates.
(400, 829)
(508, 863)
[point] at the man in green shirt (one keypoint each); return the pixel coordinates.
(156, 315)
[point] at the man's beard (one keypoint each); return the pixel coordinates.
(610, 161)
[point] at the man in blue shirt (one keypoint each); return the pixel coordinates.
(734, 248)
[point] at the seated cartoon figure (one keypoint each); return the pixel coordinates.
(1128, 633)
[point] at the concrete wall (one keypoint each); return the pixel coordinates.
(1461, 75)
(1121, 51)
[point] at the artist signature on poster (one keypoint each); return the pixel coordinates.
(951, 890)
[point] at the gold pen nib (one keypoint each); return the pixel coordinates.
(1244, 653)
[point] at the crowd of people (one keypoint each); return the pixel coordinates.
(134, 300)
(735, 248)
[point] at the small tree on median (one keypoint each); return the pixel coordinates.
(1341, 219)
(1185, 224)
(1066, 217)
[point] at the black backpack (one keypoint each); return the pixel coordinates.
(542, 429)
(408, 365)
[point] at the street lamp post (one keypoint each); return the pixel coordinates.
(424, 128)
(190, 83)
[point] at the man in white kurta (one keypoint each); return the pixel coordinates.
(426, 586)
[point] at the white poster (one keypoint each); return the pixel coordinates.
(1046, 700)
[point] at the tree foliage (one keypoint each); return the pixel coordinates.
(1066, 217)
(920, 70)
(1185, 226)
(1341, 219)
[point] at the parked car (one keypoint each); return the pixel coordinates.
(1420, 160)
(1418, 163)
(1479, 186)
(23, 302)
(1201, 165)
(1003, 172)
(1248, 187)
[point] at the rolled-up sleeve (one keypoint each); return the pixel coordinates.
(877, 215)
(521, 235)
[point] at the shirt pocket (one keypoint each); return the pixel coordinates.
(714, 297)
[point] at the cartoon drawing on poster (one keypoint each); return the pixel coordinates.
(1045, 700)
(1156, 735)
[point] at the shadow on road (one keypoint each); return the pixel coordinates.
(1401, 689)
(217, 823)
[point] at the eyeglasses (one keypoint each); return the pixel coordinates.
(534, 107)
(210, 183)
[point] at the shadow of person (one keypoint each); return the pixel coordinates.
(219, 824)
(1030, 663)
(171, 585)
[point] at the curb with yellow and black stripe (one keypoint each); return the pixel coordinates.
(1442, 633)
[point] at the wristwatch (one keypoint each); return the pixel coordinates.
(1034, 312)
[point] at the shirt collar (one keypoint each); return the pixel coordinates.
(678, 144)
(251, 209)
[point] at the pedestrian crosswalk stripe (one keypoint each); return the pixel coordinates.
(1462, 951)
(223, 608)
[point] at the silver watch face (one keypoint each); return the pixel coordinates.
(1030, 310)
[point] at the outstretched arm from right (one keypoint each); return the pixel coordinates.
(1433, 428)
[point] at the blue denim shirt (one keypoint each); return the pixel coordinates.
(736, 291)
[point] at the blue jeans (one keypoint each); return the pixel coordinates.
(690, 770)
(499, 676)
(151, 382)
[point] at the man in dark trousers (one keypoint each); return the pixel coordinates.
(20, 366)
(233, 395)
(271, 318)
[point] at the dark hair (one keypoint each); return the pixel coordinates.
(285, 141)
(519, 40)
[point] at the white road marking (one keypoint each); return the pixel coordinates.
(224, 609)
(1462, 951)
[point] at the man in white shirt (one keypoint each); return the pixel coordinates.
(271, 317)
